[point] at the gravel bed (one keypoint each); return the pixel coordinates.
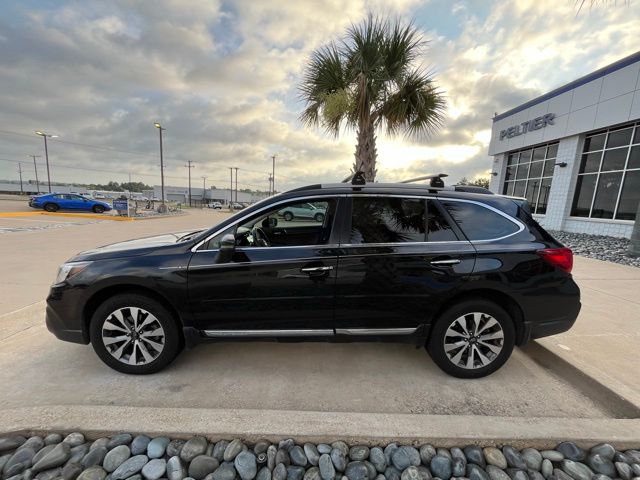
(600, 247)
(137, 457)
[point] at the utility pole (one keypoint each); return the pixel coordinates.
(273, 174)
(20, 173)
(35, 167)
(270, 184)
(162, 205)
(204, 190)
(230, 186)
(189, 166)
(236, 169)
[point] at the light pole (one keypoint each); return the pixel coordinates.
(20, 173)
(46, 153)
(230, 187)
(236, 169)
(189, 166)
(273, 174)
(35, 167)
(204, 189)
(160, 129)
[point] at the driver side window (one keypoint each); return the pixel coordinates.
(300, 223)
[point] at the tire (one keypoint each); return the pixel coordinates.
(51, 207)
(288, 216)
(156, 358)
(98, 209)
(471, 311)
(319, 217)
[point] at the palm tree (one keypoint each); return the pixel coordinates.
(372, 80)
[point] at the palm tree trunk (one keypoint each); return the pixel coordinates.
(366, 153)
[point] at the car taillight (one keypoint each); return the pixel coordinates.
(558, 257)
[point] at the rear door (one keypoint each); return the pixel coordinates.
(401, 258)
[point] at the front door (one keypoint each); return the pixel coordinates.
(401, 259)
(280, 281)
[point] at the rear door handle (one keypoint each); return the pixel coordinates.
(446, 262)
(316, 269)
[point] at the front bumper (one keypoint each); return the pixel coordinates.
(57, 326)
(64, 314)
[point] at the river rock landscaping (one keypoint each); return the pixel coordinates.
(138, 457)
(600, 247)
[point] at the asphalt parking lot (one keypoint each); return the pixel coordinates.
(36, 369)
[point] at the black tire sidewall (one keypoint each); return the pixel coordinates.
(319, 217)
(172, 333)
(435, 345)
(50, 207)
(98, 209)
(288, 216)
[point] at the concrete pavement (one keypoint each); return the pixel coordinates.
(339, 390)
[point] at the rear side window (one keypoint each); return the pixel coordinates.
(387, 220)
(438, 227)
(478, 222)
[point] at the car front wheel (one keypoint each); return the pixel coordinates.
(134, 334)
(288, 216)
(319, 217)
(472, 339)
(98, 209)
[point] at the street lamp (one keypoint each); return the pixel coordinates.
(46, 153)
(160, 129)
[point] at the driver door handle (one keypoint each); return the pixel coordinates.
(316, 269)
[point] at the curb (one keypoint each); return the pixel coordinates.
(64, 214)
(305, 426)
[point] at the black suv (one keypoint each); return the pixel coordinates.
(467, 275)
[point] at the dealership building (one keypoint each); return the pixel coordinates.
(574, 152)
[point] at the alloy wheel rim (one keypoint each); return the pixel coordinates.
(133, 336)
(473, 340)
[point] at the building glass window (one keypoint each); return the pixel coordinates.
(529, 174)
(609, 176)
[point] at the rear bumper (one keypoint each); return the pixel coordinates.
(551, 326)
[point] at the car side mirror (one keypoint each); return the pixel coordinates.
(227, 247)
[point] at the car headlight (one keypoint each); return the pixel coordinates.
(68, 270)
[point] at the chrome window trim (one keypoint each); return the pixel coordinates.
(266, 333)
(376, 331)
(519, 224)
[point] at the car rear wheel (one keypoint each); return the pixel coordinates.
(288, 216)
(134, 334)
(98, 209)
(472, 339)
(51, 207)
(319, 217)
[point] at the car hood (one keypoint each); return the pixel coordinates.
(130, 248)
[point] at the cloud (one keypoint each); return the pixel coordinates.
(222, 78)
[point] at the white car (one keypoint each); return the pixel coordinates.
(304, 211)
(215, 205)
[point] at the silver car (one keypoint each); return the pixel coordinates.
(303, 211)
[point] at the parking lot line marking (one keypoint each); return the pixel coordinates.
(66, 214)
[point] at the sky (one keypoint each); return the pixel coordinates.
(222, 77)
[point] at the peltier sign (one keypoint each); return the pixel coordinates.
(535, 124)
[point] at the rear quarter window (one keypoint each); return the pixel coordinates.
(479, 222)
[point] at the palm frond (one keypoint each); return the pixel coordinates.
(417, 106)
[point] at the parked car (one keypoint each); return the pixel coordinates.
(304, 211)
(237, 206)
(466, 275)
(215, 205)
(52, 202)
